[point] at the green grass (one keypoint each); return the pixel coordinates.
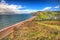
(38, 31)
(52, 26)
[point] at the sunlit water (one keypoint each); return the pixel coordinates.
(7, 20)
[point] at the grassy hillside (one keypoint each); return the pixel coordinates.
(39, 29)
(48, 15)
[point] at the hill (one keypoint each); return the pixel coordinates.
(38, 29)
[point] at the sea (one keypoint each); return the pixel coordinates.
(7, 20)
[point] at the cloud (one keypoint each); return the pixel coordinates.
(5, 8)
(46, 8)
(58, 6)
(28, 11)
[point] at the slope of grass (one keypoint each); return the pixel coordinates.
(37, 31)
(48, 25)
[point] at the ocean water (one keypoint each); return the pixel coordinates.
(7, 20)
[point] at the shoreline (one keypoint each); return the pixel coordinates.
(8, 20)
(7, 30)
(18, 23)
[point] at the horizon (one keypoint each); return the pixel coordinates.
(28, 6)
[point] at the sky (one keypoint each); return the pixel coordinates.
(28, 6)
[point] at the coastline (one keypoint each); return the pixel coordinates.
(8, 20)
(5, 31)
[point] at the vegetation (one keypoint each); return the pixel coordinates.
(48, 15)
(39, 29)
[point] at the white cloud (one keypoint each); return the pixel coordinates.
(28, 11)
(58, 6)
(46, 8)
(5, 8)
(24, 11)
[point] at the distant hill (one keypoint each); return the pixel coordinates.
(49, 15)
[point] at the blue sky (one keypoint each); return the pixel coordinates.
(34, 5)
